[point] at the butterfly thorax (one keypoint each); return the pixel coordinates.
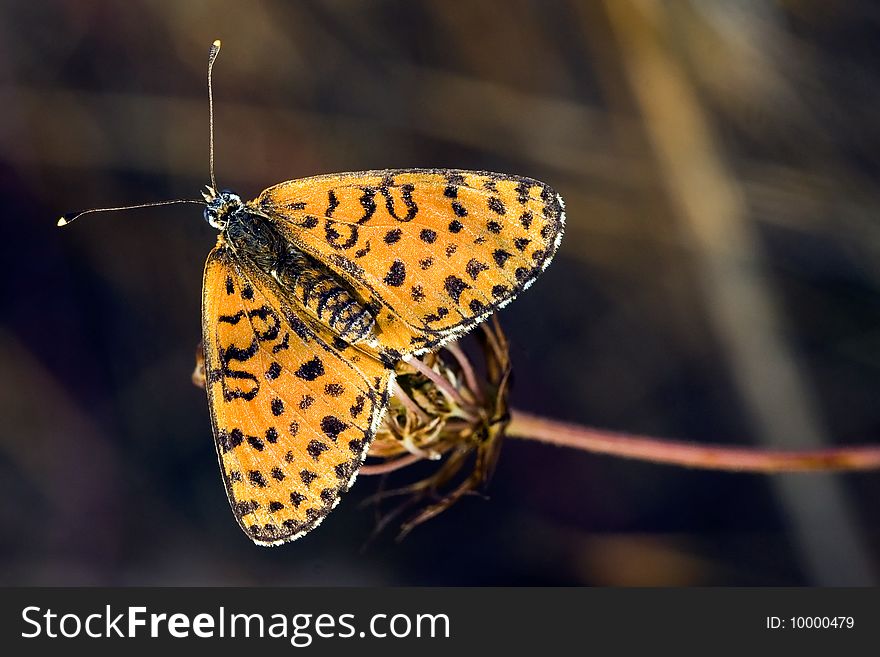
(256, 241)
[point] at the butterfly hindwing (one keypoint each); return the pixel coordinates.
(293, 410)
(434, 251)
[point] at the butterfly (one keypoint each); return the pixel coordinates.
(318, 288)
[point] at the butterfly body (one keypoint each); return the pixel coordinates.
(319, 292)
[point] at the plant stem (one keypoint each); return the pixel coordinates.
(389, 465)
(709, 457)
(438, 381)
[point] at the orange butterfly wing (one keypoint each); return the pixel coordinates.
(293, 411)
(435, 251)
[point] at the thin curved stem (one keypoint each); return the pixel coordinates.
(438, 381)
(390, 465)
(411, 406)
(467, 370)
(710, 457)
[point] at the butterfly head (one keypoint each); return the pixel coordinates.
(219, 207)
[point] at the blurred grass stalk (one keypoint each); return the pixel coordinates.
(729, 265)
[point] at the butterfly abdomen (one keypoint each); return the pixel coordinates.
(325, 297)
(306, 282)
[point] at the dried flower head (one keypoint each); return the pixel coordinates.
(446, 408)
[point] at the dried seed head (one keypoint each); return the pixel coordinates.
(448, 408)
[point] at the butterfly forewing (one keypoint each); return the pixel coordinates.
(434, 251)
(293, 410)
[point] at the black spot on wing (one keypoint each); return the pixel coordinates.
(454, 287)
(496, 205)
(230, 440)
(284, 344)
(274, 371)
(345, 470)
(476, 306)
(332, 203)
(500, 256)
(243, 508)
(231, 319)
(368, 203)
(499, 291)
(393, 236)
(522, 274)
(311, 369)
(316, 448)
(474, 267)
(332, 426)
(277, 407)
(334, 389)
(396, 274)
(358, 406)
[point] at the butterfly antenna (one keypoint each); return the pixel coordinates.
(70, 216)
(212, 56)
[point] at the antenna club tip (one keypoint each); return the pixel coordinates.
(62, 221)
(216, 44)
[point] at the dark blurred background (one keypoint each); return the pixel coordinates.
(719, 280)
